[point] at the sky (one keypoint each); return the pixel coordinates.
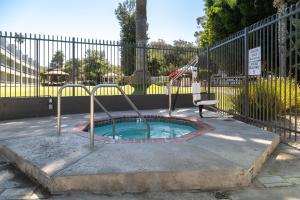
(95, 19)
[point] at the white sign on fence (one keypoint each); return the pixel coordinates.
(254, 63)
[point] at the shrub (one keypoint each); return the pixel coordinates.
(268, 98)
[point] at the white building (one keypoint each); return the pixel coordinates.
(16, 68)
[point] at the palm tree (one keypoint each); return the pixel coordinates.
(141, 32)
(19, 38)
(281, 6)
(141, 41)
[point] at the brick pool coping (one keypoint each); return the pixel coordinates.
(202, 128)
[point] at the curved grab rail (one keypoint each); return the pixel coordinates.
(169, 86)
(127, 99)
(59, 106)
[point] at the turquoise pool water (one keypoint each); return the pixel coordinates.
(135, 129)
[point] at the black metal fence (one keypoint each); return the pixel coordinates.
(36, 66)
(255, 73)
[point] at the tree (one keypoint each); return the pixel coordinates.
(281, 5)
(182, 44)
(254, 10)
(180, 54)
(73, 68)
(132, 18)
(225, 17)
(94, 65)
(141, 74)
(57, 59)
(19, 38)
(204, 32)
(141, 33)
(125, 13)
(159, 43)
(294, 48)
(155, 57)
(164, 58)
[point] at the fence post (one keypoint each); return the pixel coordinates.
(208, 72)
(73, 64)
(144, 69)
(246, 49)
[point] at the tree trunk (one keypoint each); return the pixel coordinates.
(282, 41)
(141, 33)
(141, 76)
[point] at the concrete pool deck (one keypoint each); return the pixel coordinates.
(230, 155)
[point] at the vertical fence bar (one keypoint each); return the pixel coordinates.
(144, 69)
(73, 65)
(14, 52)
(289, 74)
(208, 71)
(246, 48)
(273, 93)
(36, 63)
(1, 76)
(37, 69)
(5, 64)
(297, 54)
(10, 64)
(263, 78)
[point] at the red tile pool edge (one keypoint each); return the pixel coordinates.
(202, 129)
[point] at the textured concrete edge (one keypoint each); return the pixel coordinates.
(142, 181)
(33, 172)
(151, 181)
(131, 182)
(258, 163)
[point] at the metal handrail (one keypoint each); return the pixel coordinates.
(127, 99)
(94, 99)
(191, 63)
